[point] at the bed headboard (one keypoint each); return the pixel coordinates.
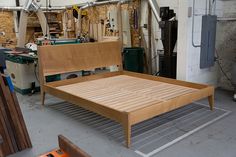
(58, 59)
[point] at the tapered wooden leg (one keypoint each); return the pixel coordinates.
(43, 97)
(127, 130)
(211, 102)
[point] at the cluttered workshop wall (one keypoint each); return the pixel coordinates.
(103, 22)
(8, 39)
(100, 22)
(34, 30)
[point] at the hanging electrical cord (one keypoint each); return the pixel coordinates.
(46, 35)
(50, 4)
(222, 70)
(35, 71)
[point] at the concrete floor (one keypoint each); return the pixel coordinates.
(44, 124)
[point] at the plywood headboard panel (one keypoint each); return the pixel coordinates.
(59, 59)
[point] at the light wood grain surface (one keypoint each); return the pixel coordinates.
(126, 93)
(75, 57)
(126, 97)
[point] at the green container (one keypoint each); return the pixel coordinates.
(53, 78)
(134, 59)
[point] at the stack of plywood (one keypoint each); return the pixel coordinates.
(12, 125)
(7, 25)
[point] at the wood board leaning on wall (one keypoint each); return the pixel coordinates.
(12, 126)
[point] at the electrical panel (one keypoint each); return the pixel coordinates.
(208, 40)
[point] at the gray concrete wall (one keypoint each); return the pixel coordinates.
(226, 48)
(226, 39)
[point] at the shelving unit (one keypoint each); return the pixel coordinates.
(54, 21)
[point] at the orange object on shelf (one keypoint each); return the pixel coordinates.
(55, 153)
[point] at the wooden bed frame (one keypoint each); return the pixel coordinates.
(70, 58)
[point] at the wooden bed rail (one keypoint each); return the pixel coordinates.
(59, 59)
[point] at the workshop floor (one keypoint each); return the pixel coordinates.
(44, 124)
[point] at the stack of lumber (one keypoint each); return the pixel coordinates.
(12, 126)
(7, 25)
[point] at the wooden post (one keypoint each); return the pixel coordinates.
(22, 29)
(139, 22)
(149, 39)
(119, 19)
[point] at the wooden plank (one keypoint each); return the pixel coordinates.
(7, 147)
(6, 131)
(22, 121)
(119, 23)
(91, 106)
(19, 116)
(125, 93)
(70, 149)
(13, 115)
(160, 108)
(166, 80)
(150, 67)
(83, 79)
(69, 58)
(12, 125)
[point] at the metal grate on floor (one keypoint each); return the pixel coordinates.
(151, 136)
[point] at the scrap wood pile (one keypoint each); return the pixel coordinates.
(12, 126)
